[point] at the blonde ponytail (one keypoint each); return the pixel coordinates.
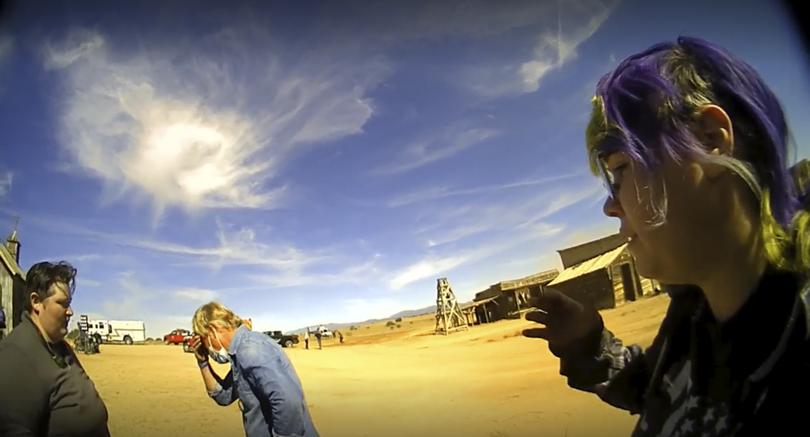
(786, 249)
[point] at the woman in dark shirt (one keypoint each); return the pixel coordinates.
(44, 390)
(692, 145)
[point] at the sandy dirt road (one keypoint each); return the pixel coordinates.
(400, 381)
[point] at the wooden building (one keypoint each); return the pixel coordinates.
(602, 272)
(506, 299)
(12, 283)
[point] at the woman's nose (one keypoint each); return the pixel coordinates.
(612, 207)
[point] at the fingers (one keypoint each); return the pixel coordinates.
(555, 301)
(538, 316)
(536, 333)
(548, 299)
(196, 343)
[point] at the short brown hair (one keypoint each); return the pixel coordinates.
(43, 275)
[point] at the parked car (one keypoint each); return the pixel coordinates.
(283, 339)
(178, 336)
(186, 347)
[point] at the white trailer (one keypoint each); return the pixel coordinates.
(117, 331)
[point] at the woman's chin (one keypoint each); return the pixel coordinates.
(643, 267)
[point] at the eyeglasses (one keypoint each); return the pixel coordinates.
(607, 176)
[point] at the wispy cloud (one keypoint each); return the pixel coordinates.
(460, 232)
(425, 268)
(240, 248)
(437, 193)
(83, 257)
(80, 42)
(190, 126)
(130, 300)
(555, 46)
(545, 230)
(426, 19)
(231, 246)
(422, 152)
(5, 183)
(562, 200)
(503, 217)
(85, 282)
(280, 264)
(352, 274)
(433, 266)
(192, 294)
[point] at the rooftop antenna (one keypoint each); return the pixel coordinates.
(12, 242)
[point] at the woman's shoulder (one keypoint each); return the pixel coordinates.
(25, 362)
(22, 345)
(256, 344)
(257, 338)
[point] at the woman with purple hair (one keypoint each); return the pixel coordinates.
(693, 147)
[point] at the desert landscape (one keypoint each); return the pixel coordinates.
(384, 381)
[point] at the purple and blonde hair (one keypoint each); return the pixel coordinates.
(646, 108)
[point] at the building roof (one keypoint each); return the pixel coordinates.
(8, 261)
(495, 290)
(476, 303)
(537, 278)
(578, 254)
(591, 265)
(492, 292)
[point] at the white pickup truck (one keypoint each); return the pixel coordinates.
(323, 330)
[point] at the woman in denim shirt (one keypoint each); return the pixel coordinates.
(261, 375)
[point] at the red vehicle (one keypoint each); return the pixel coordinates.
(178, 336)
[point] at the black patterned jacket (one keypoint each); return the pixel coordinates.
(747, 376)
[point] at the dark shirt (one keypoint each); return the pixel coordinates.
(745, 376)
(44, 391)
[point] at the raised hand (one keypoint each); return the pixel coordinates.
(200, 351)
(566, 320)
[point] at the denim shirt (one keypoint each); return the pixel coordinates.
(263, 379)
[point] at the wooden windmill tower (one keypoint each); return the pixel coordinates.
(448, 314)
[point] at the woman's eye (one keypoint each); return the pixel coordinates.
(617, 173)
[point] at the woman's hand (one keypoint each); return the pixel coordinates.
(200, 351)
(566, 320)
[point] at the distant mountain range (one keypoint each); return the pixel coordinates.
(339, 326)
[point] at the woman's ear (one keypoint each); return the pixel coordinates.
(36, 302)
(715, 131)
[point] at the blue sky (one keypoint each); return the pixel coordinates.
(323, 162)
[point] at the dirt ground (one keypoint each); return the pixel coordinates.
(400, 381)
